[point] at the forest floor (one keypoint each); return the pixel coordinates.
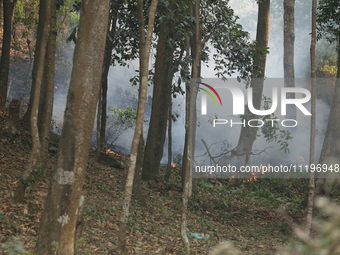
(246, 213)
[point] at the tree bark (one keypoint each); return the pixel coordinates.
(329, 153)
(288, 57)
(59, 218)
(248, 134)
(106, 67)
(13, 118)
(187, 145)
(190, 121)
(46, 98)
(195, 45)
(144, 52)
(137, 180)
(169, 165)
(160, 102)
(311, 185)
(42, 19)
(1, 11)
(80, 220)
(99, 111)
(8, 8)
(36, 144)
(186, 169)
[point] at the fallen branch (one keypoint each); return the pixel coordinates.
(232, 152)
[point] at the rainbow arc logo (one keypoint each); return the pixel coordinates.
(204, 98)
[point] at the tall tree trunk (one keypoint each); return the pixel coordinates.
(160, 102)
(106, 67)
(186, 169)
(42, 18)
(328, 153)
(104, 85)
(8, 7)
(35, 154)
(1, 12)
(187, 145)
(169, 165)
(144, 53)
(190, 121)
(248, 134)
(311, 185)
(288, 57)
(137, 180)
(46, 109)
(59, 218)
(99, 112)
(195, 45)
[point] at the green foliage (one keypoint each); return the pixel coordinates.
(14, 246)
(178, 159)
(135, 80)
(54, 149)
(327, 236)
(326, 67)
(271, 131)
(120, 121)
(270, 128)
(81, 247)
(234, 50)
(26, 13)
(328, 20)
(39, 172)
(91, 212)
(72, 37)
(326, 60)
(264, 192)
(16, 139)
(67, 21)
(133, 223)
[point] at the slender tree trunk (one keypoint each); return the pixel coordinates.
(190, 122)
(288, 57)
(187, 146)
(328, 153)
(195, 44)
(35, 154)
(186, 168)
(59, 218)
(1, 12)
(248, 134)
(311, 185)
(106, 67)
(137, 180)
(99, 110)
(160, 102)
(104, 85)
(144, 52)
(8, 8)
(45, 113)
(42, 18)
(169, 165)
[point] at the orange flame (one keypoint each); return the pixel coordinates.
(116, 154)
(173, 165)
(302, 159)
(251, 179)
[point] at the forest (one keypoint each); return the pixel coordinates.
(169, 127)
